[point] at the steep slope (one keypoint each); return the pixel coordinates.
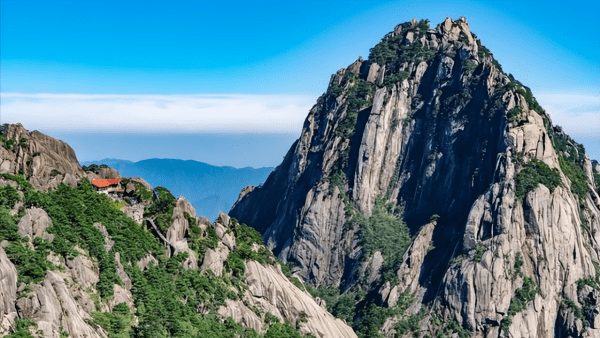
(77, 263)
(209, 188)
(430, 136)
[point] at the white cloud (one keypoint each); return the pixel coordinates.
(221, 113)
(578, 114)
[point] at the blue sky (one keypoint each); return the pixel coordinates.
(177, 68)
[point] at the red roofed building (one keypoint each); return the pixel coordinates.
(107, 186)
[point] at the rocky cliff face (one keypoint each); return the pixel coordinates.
(78, 263)
(47, 161)
(503, 208)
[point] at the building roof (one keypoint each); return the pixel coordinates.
(105, 183)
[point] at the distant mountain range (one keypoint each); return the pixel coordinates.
(209, 188)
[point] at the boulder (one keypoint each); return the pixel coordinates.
(213, 259)
(70, 180)
(34, 224)
(146, 261)
(106, 173)
(371, 77)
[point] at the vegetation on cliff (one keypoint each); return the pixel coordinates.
(167, 297)
(534, 173)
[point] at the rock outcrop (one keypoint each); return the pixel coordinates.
(270, 291)
(432, 126)
(8, 293)
(176, 234)
(46, 160)
(34, 223)
(53, 306)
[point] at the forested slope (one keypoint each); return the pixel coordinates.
(78, 263)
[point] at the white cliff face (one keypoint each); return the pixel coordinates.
(177, 231)
(53, 306)
(382, 143)
(446, 135)
(563, 258)
(269, 290)
(8, 292)
(322, 208)
(410, 269)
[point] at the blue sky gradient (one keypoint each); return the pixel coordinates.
(267, 48)
(151, 47)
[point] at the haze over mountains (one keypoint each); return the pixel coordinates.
(208, 188)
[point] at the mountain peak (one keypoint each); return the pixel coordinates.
(429, 146)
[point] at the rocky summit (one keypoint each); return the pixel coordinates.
(430, 195)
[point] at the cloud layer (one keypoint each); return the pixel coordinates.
(578, 114)
(158, 113)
